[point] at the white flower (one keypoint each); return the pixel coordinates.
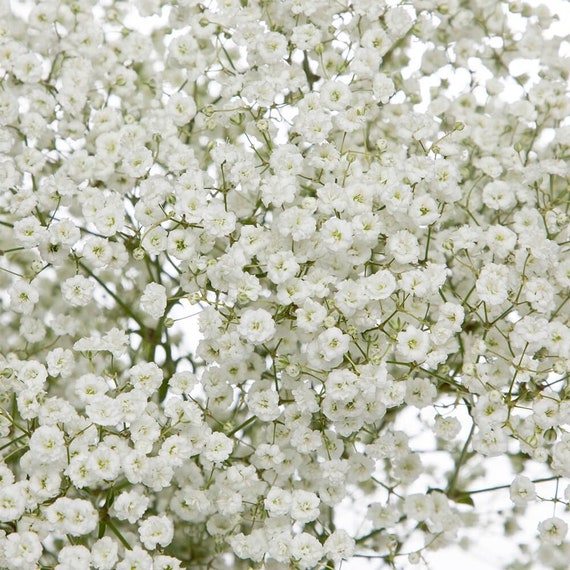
(32, 374)
(271, 47)
(145, 431)
(304, 506)
(380, 285)
(137, 161)
(153, 300)
(335, 95)
(23, 297)
(137, 557)
(281, 266)
(76, 517)
(182, 382)
(256, 326)
(306, 550)
(28, 232)
(490, 441)
(77, 291)
(306, 36)
(22, 549)
(423, 210)
(264, 404)
(310, 316)
(339, 545)
(155, 240)
(342, 385)
(418, 506)
(277, 502)
(447, 427)
(104, 463)
(48, 445)
(493, 284)
(108, 220)
(522, 491)
(156, 530)
(104, 553)
(181, 243)
(553, 530)
(98, 252)
(500, 240)
(103, 411)
(130, 505)
(403, 246)
(420, 392)
(218, 447)
(74, 558)
(539, 293)
(162, 562)
(12, 502)
(60, 362)
(413, 344)
(333, 343)
(336, 234)
(146, 376)
(181, 108)
(218, 221)
(499, 195)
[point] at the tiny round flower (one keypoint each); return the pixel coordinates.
(156, 530)
(277, 502)
(264, 404)
(77, 291)
(104, 553)
(304, 506)
(28, 232)
(499, 195)
(182, 382)
(22, 549)
(162, 562)
(552, 530)
(146, 376)
(181, 108)
(130, 506)
(493, 284)
(218, 447)
(339, 545)
(12, 502)
(153, 300)
(447, 427)
(74, 558)
(404, 246)
(522, 491)
(413, 344)
(98, 252)
(23, 297)
(306, 550)
(256, 326)
(333, 343)
(281, 266)
(76, 517)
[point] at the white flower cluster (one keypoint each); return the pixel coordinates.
(367, 203)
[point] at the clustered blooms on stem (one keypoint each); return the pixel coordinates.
(364, 204)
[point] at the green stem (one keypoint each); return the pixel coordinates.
(118, 534)
(453, 480)
(242, 425)
(121, 304)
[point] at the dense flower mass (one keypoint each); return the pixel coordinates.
(364, 206)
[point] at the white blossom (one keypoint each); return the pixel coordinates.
(267, 262)
(153, 300)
